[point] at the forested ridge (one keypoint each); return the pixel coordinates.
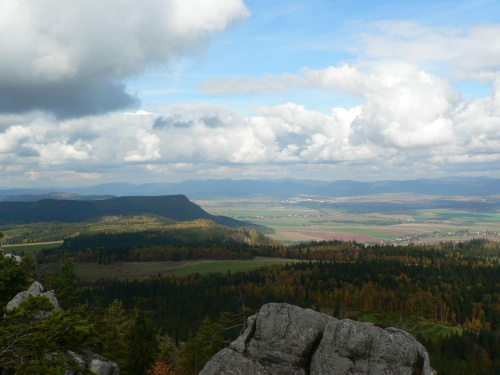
(175, 207)
(171, 324)
(199, 239)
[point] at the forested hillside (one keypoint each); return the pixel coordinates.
(175, 207)
(199, 239)
(447, 295)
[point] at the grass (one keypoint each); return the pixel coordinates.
(369, 232)
(32, 247)
(368, 318)
(427, 329)
(228, 266)
(458, 216)
(140, 270)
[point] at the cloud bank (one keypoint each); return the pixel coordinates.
(69, 57)
(412, 121)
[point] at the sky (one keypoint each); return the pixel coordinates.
(144, 91)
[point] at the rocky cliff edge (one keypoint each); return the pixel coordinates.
(284, 339)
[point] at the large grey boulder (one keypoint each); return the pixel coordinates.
(284, 339)
(350, 347)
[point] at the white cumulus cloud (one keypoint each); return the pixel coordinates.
(69, 57)
(148, 147)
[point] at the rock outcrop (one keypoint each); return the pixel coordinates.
(284, 339)
(17, 258)
(94, 363)
(76, 363)
(36, 289)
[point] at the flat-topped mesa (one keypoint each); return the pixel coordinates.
(285, 339)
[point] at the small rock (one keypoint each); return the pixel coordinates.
(102, 366)
(78, 359)
(35, 288)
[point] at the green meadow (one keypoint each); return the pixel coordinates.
(92, 272)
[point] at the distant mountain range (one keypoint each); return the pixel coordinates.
(176, 207)
(228, 188)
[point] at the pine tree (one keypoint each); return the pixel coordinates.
(67, 285)
(33, 346)
(141, 342)
(112, 325)
(13, 279)
(201, 346)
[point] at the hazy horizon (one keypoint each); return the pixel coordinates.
(211, 181)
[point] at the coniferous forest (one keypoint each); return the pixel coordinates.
(447, 295)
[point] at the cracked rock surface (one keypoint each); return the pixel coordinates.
(285, 339)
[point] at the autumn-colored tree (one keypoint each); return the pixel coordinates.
(161, 367)
(167, 349)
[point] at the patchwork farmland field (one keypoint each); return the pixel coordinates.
(384, 218)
